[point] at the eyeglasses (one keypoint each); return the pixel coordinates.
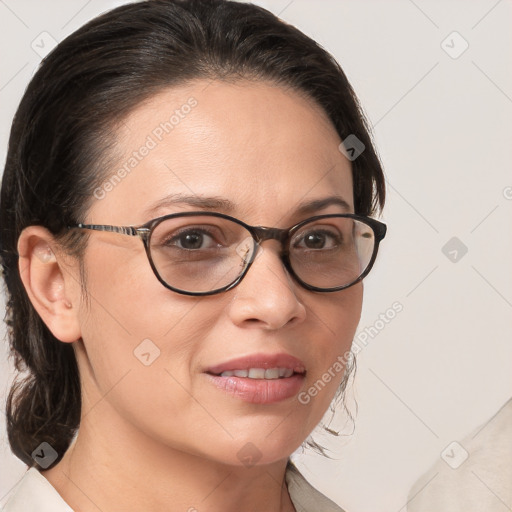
(197, 253)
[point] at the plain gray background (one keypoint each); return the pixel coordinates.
(442, 118)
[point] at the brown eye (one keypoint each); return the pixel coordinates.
(318, 239)
(191, 239)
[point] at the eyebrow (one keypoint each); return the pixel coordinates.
(216, 203)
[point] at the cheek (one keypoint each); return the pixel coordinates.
(141, 340)
(127, 302)
(337, 316)
(132, 323)
(340, 318)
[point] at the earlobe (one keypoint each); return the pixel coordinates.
(48, 282)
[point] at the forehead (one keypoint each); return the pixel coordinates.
(263, 147)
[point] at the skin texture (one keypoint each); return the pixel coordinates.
(162, 437)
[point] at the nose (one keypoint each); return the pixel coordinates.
(266, 296)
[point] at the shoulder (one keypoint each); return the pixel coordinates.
(304, 496)
(35, 493)
(479, 475)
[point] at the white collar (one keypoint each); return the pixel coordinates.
(35, 492)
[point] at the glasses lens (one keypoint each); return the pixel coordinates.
(200, 253)
(332, 252)
(204, 253)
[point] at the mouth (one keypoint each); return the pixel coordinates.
(262, 373)
(259, 379)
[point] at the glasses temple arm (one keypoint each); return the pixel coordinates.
(123, 230)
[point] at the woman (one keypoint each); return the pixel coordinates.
(178, 352)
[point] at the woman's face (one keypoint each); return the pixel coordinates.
(148, 352)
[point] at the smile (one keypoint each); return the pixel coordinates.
(260, 373)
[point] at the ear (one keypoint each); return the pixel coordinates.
(49, 282)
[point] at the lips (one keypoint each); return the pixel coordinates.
(259, 379)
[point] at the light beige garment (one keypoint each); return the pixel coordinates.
(305, 497)
(482, 482)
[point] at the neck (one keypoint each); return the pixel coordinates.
(120, 468)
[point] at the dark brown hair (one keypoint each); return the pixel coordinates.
(65, 126)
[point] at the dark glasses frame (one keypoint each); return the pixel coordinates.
(259, 234)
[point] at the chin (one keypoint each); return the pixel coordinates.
(247, 451)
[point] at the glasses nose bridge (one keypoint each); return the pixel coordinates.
(262, 233)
